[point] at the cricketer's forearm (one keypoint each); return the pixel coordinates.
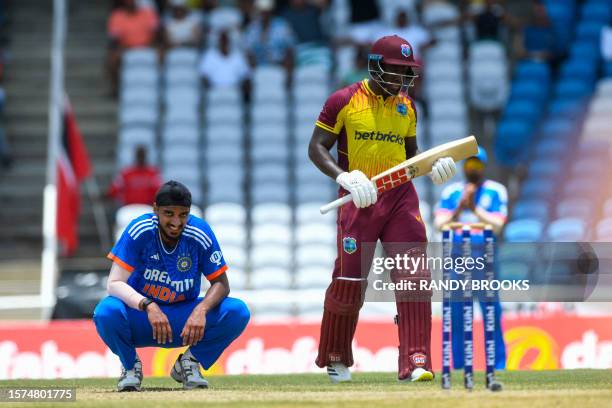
(118, 287)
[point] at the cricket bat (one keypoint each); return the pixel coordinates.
(416, 166)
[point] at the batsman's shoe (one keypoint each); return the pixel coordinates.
(420, 374)
(186, 370)
(130, 380)
(338, 373)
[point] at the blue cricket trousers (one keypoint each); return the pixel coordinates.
(457, 310)
(123, 329)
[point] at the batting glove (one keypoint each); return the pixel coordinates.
(361, 188)
(442, 170)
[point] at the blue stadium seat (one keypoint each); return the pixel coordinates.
(509, 252)
(527, 110)
(533, 70)
(546, 168)
(598, 11)
(607, 69)
(566, 107)
(558, 128)
(584, 70)
(589, 30)
(573, 88)
(579, 187)
(566, 230)
(539, 189)
(550, 148)
(585, 50)
(594, 148)
(523, 231)
(511, 139)
(534, 209)
(528, 89)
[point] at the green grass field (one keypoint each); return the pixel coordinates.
(532, 389)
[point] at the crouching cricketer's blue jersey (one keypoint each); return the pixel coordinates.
(168, 276)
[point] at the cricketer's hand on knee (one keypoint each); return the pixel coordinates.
(443, 170)
(362, 189)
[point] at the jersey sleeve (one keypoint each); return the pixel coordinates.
(333, 113)
(126, 251)
(213, 263)
(499, 205)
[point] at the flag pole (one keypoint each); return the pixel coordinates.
(49, 265)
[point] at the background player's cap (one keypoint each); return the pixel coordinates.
(173, 193)
(393, 50)
(481, 155)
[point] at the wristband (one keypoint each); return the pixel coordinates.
(144, 303)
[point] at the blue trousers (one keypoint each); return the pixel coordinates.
(457, 311)
(123, 329)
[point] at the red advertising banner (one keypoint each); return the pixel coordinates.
(73, 349)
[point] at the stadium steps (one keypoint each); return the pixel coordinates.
(27, 88)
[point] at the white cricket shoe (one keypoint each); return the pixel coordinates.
(338, 373)
(186, 370)
(130, 380)
(420, 374)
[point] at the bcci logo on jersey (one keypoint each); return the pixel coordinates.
(183, 264)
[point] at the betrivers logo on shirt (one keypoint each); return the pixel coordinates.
(379, 137)
(216, 258)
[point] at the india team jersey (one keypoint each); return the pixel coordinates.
(491, 197)
(372, 130)
(165, 275)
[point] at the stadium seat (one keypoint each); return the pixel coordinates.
(137, 95)
(595, 11)
(527, 230)
(227, 133)
(180, 134)
(218, 154)
(185, 57)
(573, 88)
(528, 89)
(575, 208)
(271, 213)
(315, 255)
(140, 56)
(181, 96)
(533, 70)
(270, 277)
(314, 192)
(580, 187)
(535, 209)
(487, 50)
(270, 255)
(269, 113)
(566, 108)
(181, 154)
(224, 96)
(513, 251)
(566, 230)
(589, 30)
(224, 193)
(181, 76)
(269, 132)
(266, 152)
(525, 110)
(585, 50)
(126, 214)
(443, 110)
(276, 233)
(235, 256)
(270, 193)
(544, 169)
(138, 115)
(550, 149)
(584, 70)
(558, 128)
(223, 114)
(313, 278)
(270, 172)
(237, 277)
(319, 233)
(226, 213)
(306, 213)
(181, 115)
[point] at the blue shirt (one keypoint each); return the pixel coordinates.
(168, 275)
(491, 196)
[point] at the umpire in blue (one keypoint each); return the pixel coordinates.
(154, 292)
(474, 200)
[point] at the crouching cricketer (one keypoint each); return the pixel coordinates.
(373, 123)
(154, 287)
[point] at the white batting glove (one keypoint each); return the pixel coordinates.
(361, 188)
(442, 170)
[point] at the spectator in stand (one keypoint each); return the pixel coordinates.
(410, 29)
(137, 184)
(269, 38)
(305, 20)
(224, 65)
(129, 26)
(182, 28)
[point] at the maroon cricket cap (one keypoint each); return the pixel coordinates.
(393, 50)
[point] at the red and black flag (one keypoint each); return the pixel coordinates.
(73, 167)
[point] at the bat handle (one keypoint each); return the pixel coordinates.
(335, 204)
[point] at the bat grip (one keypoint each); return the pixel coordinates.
(335, 204)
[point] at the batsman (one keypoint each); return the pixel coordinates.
(373, 125)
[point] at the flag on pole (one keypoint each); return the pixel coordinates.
(74, 166)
